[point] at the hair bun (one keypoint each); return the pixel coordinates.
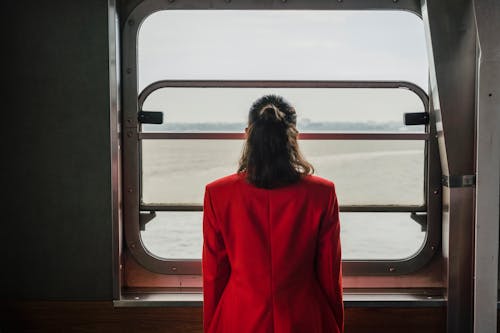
(272, 113)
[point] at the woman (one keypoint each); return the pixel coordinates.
(271, 251)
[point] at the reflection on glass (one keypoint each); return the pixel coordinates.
(178, 235)
(318, 109)
(365, 172)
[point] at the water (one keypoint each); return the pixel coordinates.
(365, 173)
(363, 235)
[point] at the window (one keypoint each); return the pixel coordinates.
(351, 76)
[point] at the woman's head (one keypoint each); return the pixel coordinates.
(271, 156)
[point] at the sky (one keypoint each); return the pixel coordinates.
(283, 45)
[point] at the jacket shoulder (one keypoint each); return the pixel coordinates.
(224, 182)
(309, 181)
(319, 182)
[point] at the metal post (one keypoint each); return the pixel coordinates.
(451, 37)
(487, 13)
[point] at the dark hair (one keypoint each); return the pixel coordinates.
(271, 157)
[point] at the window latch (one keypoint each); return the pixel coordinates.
(416, 118)
(150, 117)
(421, 219)
(144, 218)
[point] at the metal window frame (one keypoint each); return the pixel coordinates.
(132, 138)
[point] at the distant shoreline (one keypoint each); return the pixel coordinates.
(371, 126)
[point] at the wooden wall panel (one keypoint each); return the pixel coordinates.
(395, 320)
(56, 316)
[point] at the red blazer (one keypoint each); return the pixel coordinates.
(271, 258)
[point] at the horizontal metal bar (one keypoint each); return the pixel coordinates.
(139, 13)
(281, 84)
(171, 208)
(302, 136)
(277, 84)
(356, 299)
(343, 208)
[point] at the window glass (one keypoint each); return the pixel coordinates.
(384, 235)
(282, 45)
(318, 109)
(366, 172)
(286, 45)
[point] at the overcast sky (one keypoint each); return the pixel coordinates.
(283, 45)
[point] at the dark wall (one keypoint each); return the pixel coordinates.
(103, 317)
(56, 237)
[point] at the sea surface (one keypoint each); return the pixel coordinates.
(364, 172)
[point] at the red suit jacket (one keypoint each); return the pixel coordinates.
(271, 258)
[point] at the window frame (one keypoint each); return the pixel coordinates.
(131, 138)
